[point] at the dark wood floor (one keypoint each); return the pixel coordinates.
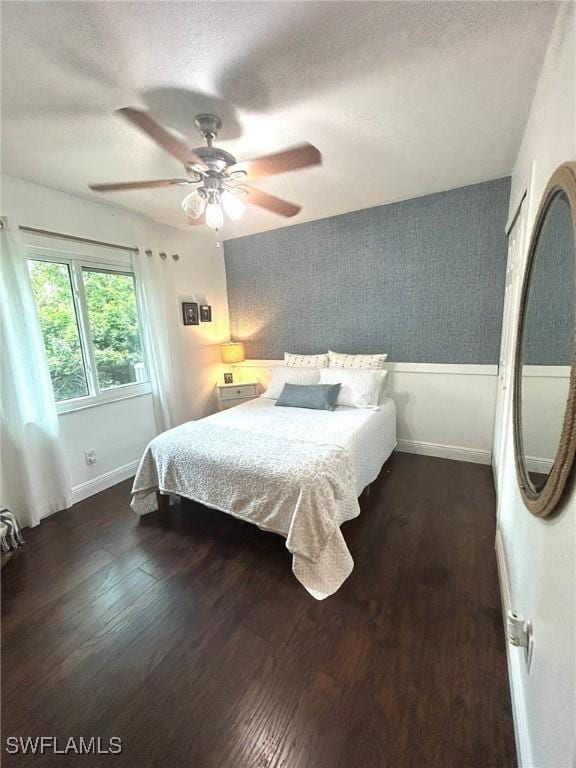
(193, 643)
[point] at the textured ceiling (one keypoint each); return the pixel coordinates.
(402, 98)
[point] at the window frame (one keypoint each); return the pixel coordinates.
(75, 263)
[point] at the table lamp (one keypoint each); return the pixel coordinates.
(232, 352)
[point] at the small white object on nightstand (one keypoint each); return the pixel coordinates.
(230, 395)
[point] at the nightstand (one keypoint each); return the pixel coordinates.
(230, 395)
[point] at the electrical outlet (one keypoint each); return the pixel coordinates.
(90, 457)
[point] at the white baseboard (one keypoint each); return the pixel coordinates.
(455, 452)
(515, 657)
(536, 464)
(107, 480)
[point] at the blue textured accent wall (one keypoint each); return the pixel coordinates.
(549, 331)
(422, 280)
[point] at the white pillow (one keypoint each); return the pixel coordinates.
(282, 374)
(305, 361)
(358, 388)
(339, 360)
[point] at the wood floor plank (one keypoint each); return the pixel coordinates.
(18, 605)
(188, 637)
(57, 633)
(203, 691)
(322, 707)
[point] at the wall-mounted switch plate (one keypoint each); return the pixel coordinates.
(90, 457)
(519, 633)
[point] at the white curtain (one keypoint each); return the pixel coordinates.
(34, 480)
(160, 342)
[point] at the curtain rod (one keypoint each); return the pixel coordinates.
(77, 239)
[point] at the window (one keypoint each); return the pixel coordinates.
(55, 301)
(113, 319)
(91, 329)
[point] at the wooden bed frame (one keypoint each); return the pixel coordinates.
(163, 500)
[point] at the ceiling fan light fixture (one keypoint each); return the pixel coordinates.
(194, 204)
(233, 206)
(214, 213)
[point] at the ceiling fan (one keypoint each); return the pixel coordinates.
(219, 179)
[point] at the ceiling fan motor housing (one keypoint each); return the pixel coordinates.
(216, 159)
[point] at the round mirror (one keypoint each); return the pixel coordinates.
(544, 391)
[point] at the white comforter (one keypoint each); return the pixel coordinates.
(253, 463)
(369, 435)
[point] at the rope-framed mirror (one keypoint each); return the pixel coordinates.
(544, 368)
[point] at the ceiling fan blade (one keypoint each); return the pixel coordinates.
(270, 202)
(197, 222)
(161, 136)
(280, 162)
(138, 185)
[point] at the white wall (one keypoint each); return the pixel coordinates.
(119, 431)
(442, 410)
(541, 554)
(544, 395)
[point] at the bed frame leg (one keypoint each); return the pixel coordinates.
(163, 500)
(366, 491)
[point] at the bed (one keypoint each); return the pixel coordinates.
(293, 471)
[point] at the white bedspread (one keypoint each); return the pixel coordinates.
(288, 470)
(369, 435)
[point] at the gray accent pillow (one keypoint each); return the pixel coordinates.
(320, 397)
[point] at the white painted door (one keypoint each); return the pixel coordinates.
(516, 235)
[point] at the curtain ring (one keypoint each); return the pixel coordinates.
(148, 252)
(176, 257)
(162, 255)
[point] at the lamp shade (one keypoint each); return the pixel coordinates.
(232, 352)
